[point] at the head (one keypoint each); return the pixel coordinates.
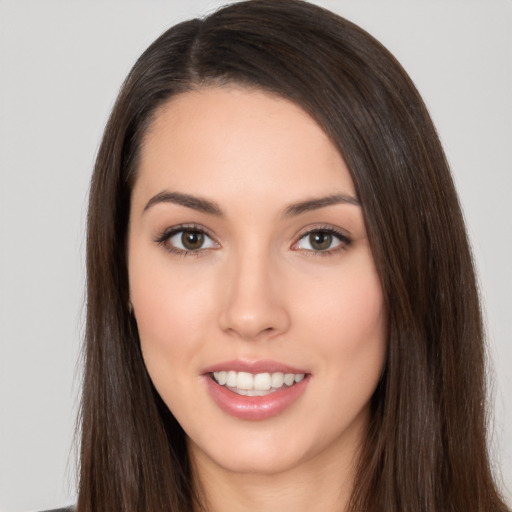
(431, 382)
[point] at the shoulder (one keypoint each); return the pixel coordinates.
(66, 509)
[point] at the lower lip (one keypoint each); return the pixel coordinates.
(255, 407)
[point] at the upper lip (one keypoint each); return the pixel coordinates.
(254, 367)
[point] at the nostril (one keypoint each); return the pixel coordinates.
(253, 312)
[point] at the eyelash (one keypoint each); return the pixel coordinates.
(164, 238)
(344, 241)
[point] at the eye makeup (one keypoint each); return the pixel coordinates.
(194, 240)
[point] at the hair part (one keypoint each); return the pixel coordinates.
(426, 448)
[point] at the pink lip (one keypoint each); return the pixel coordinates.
(254, 407)
(254, 367)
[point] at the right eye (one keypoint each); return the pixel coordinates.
(187, 240)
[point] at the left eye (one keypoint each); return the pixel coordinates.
(320, 240)
(190, 240)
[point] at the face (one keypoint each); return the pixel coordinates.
(258, 305)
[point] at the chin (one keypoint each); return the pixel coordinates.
(247, 452)
(263, 453)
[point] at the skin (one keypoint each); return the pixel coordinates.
(256, 290)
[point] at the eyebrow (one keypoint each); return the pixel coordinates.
(209, 207)
(195, 203)
(321, 202)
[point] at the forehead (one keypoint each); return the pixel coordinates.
(227, 140)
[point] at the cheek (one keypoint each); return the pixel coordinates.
(162, 292)
(350, 340)
(348, 303)
(347, 322)
(170, 309)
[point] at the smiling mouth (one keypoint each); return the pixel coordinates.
(259, 384)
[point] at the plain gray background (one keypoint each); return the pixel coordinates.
(61, 64)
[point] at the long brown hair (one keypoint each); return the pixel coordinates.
(426, 443)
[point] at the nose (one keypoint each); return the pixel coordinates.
(253, 299)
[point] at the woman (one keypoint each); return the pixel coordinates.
(282, 307)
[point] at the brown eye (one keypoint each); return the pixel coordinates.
(192, 240)
(187, 240)
(320, 240)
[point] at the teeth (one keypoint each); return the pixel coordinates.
(231, 379)
(277, 379)
(262, 381)
(245, 383)
(289, 379)
(221, 377)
